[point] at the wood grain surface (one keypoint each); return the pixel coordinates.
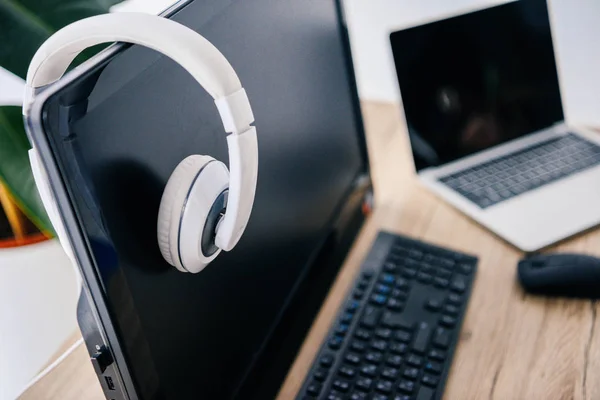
(513, 346)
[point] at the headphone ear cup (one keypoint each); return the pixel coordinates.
(172, 203)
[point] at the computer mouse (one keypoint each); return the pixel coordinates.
(565, 275)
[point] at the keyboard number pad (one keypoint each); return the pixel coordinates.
(376, 348)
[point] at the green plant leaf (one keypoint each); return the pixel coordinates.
(15, 171)
(25, 24)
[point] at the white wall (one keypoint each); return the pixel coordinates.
(575, 27)
(38, 298)
(11, 88)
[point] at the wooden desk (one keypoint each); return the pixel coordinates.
(513, 346)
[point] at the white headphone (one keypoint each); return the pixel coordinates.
(205, 207)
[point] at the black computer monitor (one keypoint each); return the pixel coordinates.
(118, 132)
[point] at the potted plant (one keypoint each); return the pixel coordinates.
(37, 283)
(24, 25)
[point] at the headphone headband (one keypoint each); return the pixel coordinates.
(201, 59)
(180, 43)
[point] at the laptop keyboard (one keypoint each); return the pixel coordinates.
(506, 177)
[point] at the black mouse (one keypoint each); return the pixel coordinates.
(565, 275)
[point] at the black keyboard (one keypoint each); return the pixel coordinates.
(505, 177)
(395, 336)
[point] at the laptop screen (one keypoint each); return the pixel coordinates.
(477, 80)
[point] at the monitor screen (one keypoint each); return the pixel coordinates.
(476, 80)
(119, 133)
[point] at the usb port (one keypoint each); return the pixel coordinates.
(109, 383)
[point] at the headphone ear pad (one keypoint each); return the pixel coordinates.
(172, 203)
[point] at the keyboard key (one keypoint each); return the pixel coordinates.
(403, 336)
(358, 294)
(395, 305)
(406, 386)
(433, 367)
(384, 387)
(346, 318)
(441, 282)
(335, 342)
(425, 393)
(465, 268)
(390, 267)
(416, 254)
(458, 285)
(380, 397)
(364, 384)
(484, 202)
(451, 310)
(341, 330)
(383, 289)
(422, 337)
(424, 278)
(401, 397)
(358, 396)
(320, 375)
(433, 305)
(374, 357)
(333, 395)
(409, 273)
(383, 333)
(492, 179)
(370, 317)
(358, 346)
(380, 345)
(388, 279)
(398, 348)
(389, 373)
(448, 321)
(447, 263)
(427, 268)
(402, 284)
(378, 299)
(326, 360)
(341, 385)
(394, 361)
(362, 334)
(396, 320)
(414, 360)
(399, 294)
(347, 372)
(411, 373)
(455, 299)
(363, 285)
(352, 358)
(352, 306)
(441, 338)
(314, 388)
(437, 355)
(444, 273)
(369, 371)
(399, 250)
(429, 380)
